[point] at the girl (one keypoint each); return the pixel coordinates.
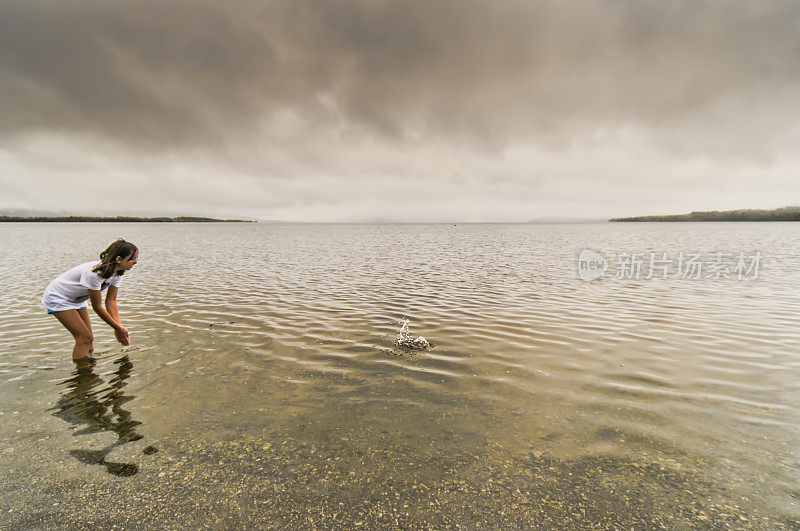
(66, 296)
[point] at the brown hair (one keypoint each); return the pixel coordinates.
(108, 258)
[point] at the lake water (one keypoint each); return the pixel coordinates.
(264, 385)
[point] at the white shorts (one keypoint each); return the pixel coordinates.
(54, 303)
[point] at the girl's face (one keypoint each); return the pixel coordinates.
(124, 264)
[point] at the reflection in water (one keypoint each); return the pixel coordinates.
(85, 401)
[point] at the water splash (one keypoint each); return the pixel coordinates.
(406, 341)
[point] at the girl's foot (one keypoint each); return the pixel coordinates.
(84, 362)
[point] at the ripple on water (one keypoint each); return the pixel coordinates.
(519, 350)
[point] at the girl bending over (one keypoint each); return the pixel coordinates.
(66, 296)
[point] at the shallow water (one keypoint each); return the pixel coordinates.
(264, 384)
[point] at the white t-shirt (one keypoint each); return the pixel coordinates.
(70, 290)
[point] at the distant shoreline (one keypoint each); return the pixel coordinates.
(118, 219)
(778, 214)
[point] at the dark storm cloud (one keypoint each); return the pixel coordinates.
(184, 74)
(398, 110)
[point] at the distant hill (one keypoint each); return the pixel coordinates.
(790, 213)
(120, 219)
(565, 220)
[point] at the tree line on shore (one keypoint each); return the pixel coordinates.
(790, 213)
(120, 219)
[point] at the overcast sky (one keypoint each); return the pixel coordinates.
(412, 110)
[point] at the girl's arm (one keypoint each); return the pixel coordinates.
(111, 303)
(111, 308)
(97, 305)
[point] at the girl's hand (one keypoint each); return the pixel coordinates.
(122, 336)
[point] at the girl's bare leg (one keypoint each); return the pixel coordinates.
(84, 339)
(84, 313)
